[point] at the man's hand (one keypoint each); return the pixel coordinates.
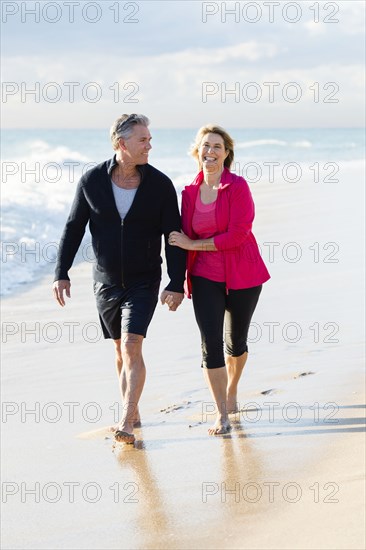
(58, 290)
(173, 299)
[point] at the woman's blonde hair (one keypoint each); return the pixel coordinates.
(214, 129)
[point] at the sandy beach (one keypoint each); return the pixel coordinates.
(291, 472)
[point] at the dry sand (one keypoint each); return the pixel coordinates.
(289, 475)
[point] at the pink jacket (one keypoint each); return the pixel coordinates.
(244, 266)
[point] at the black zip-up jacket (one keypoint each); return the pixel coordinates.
(126, 251)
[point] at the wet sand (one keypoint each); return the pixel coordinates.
(290, 473)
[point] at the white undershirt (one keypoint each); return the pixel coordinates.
(124, 199)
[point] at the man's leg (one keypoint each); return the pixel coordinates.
(121, 375)
(119, 362)
(132, 379)
(136, 310)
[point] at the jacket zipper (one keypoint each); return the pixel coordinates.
(122, 277)
(148, 251)
(122, 224)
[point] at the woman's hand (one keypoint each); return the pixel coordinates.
(181, 240)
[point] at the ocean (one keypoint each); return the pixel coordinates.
(40, 170)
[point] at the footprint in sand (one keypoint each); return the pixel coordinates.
(99, 433)
(194, 425)
(304, 374)
(173, 408)
(269, 392)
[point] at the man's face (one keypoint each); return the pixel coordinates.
(135, 149)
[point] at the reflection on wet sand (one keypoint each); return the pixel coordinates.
(219, 470)
(151, 522)
(242, 475)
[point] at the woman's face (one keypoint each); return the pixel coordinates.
(212, 153)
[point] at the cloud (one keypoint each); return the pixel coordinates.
(174, 57)
(244, 51)
(169, 89)
(314, 28)
(352, 17)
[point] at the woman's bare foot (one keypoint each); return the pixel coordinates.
(220, 427)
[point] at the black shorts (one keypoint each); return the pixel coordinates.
(213, 308)
(126, 310)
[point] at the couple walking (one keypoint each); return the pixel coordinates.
(211, 255)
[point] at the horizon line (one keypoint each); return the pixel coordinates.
(194, 128)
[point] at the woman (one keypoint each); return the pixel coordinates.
(225, 271)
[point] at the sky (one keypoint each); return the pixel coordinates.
(258, 64)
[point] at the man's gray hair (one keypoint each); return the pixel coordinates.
(123, 126)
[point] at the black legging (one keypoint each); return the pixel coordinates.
(212, 306)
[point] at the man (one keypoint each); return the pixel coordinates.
(129, 205)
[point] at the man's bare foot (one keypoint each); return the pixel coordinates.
(220, 427)
(123, 433)
(231, 404)
(136, 422)
(124, 437)
(137, 419)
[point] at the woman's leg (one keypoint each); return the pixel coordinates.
(234, 367)
(209, 307)
(240, 307)
(216, 380)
